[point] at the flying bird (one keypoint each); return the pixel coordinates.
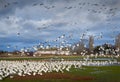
(18, 34)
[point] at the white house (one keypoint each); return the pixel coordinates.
(54, 52)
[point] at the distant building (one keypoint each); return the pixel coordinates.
(91, 43)
(51, 52)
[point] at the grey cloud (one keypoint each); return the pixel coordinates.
(66, 16)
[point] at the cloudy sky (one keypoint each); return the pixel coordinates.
(26, 23)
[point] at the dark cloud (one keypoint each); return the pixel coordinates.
(37, 20)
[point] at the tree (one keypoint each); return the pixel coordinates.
(79, 47)
(91, 42)
(117, 43)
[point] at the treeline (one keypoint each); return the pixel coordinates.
(106, 49)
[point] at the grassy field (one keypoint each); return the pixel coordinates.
(55, 58)
(100, 74)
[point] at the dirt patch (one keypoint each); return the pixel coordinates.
(49, 76)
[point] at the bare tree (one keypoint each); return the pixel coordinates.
(79, 47)
(117, 41)
(91, 42)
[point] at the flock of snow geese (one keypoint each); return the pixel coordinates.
(23, 68)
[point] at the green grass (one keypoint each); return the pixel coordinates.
(101, 74)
